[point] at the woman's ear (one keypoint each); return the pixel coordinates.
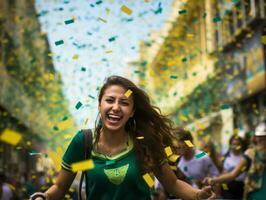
(132, 113)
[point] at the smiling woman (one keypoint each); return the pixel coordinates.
(128, 143)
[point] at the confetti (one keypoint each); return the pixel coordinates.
(173, 158)
(102, 20)
(108, 51)
(216, 19)
(140, 137)
(184, 59)
(173, 77)
(168, 151)
(98, 2)
(34, 153)
(70, 21)
(75, 57)
(200, 155)
(126, 10)
(78, 105)
(189, 143)
(224, 106)
(183, 118)
(173, 167)
(182, 12)
(263, 39)
(82, 166)
(59, 42)
(111, 39)
(148, 180)
(225, 187)
(10, 137)
(128, 93)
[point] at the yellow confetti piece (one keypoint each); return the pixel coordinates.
(10, 137)
(65, 124)
(82, 166)
(148, 179)
(126, 10)
(189, 143)
(168, 151)
(75, 57)
(50, 54)
(102, 20)
(140, 137)
(173, 157)
(225, 187)
(109, 51)
(184, 118)
(263, 39)
(173, 167)
(86, 121)
(243, 168)
(128, 93)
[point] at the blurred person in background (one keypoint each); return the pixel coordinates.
(194, 166)
(231, 159)
(6, 192)
(253, 162)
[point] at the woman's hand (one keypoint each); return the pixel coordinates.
(208, 181)
(206, 193)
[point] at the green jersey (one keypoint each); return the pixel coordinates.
(116, 177)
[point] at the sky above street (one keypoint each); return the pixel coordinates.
(99, 40)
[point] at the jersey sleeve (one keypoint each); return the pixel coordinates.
(75, 151)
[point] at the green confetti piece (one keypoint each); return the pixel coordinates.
(70, 21)
(98, 2)
(55, 128)
(216, 19)
(200, 155)
(59, 42)
(111, 39)
(91, 96)
(184, 59)
(78, 105)
(83, 69)
(195, 19)
(175, 93)
(194, 74)
(224, 106)
(173, 77)
(182, 12)
(64, 118)
(204, 15)
(34, 153)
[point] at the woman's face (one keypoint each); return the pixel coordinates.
(115, 108)
(236, 145)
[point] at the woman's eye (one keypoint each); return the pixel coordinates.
(109, 100)
(125, 103)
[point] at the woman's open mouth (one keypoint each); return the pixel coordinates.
(113, 118)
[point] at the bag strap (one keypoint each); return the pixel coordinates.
(87, 154)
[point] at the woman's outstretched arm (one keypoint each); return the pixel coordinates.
(61, 186)
(180, 188)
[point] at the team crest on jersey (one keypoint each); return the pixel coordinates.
(116, 175)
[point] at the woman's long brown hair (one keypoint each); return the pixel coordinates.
(156, 128)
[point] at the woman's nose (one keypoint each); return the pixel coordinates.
(116, 106)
